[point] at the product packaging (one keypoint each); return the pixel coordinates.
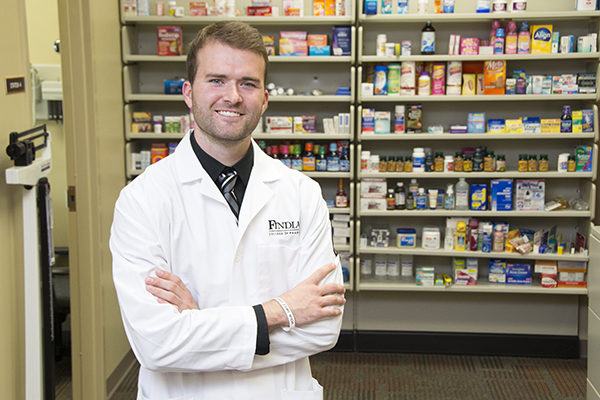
(518, 274)
(479, 196)
(407, 78)
(532, 125)
(586, 83)
(476, 123)
(514, 125)
(495, 77)
(502, 194)
(425, 276)
(588, 120)
(454, 78)
(277, 124)
(583, 158)
(530, 195)
(541, 39)
(382, 121)
(342, 41)
(497, 272)
(438, 79)
(469, 84)
(159, 151)
(380, 86)
(550, 125)
(169, 40)
(414, 118)
(198, 9)
(406, 238)
(496, 125)
(293, 43)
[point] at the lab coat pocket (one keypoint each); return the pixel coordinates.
(315, 394)
(277, 267)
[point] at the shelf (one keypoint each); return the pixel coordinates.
(472, 213)
(490, 175)
(288, 21)
(481, 287)
(341, 210)
(481, 97)
(156, 136)
(272, 99)
(130, 58)
(419, 251)
(319, 174)
(508, 57)
(475, 136)
(302, 136)
(475, 17)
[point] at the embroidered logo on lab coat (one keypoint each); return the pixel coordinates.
(283, 228)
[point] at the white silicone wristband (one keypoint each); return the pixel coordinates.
(288, 313)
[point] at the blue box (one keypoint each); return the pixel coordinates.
(319, 50)
(371, 7)
(518, 274)
(342, 40)
(174, 87)
(502, 194)
(496, 125)
(497, 272)
(476, 123)
(532, 125)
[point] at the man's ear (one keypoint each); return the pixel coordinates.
(187, 93)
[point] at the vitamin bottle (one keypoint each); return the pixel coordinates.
(391, 164)
(532, 163)
(523, 163)
(571, 164)
(458, 162)
(429, 162)
(543, 164)
(489, 164)
(383, 164)
(408, 165)
(501, 163)
(424, 84)
(448, 164)
(468, 163)
(439, 162)
(399, 164)
(365, 160)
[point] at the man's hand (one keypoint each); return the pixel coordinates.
(308, 301)
(169, 289)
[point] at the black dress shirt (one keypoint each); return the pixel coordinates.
(243, 168)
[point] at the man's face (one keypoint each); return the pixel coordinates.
(228, 95)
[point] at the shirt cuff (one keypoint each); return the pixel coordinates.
(262, 335)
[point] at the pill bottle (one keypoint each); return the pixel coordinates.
(532, 163)
(424, 84)
(448, 164)
(501, 163)
(365, 161)
(374, 163)
(571, 164)
(543, 164)
(523, 163)
(172, 5)
(563, 160)
(468, 163)
(418, 160)
(381, 41)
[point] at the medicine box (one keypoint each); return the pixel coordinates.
(530, 195)
(518, 274)
(368, 120)
(514, 125)
(169, 40)
(173, 86)
(476, 123)
(502, 193)
(550, 125)
(342, 43)
(479, 196)
(532, 125)
(382, 121)
(465, 276)
(293, 43)
(496, 126)
(373, 201)
(583, 158)
(319, 50)
(588, 120)
(494, 77)
(497, 272)
(425, 276)
(373, 186)
(541, 39)
(279, 124)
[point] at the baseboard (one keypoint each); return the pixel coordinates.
(116, 377)
(468, 344)
(345, 342)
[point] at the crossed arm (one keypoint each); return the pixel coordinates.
(308, 301)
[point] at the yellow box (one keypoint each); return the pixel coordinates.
(329, 7)
(319, 8)
(550, 125)
(514, 126)
(577, 121)
(469, 84)
(541, 39)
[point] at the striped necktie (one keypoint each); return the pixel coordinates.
(226, 182)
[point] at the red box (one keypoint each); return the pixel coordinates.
(169, 40)
(159, 151)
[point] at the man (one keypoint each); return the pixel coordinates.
(222, 257)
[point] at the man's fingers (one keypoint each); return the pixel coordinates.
(321, 273)
(332, 288)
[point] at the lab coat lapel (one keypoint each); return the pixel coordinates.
(259, 189)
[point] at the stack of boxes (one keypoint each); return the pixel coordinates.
(340, 223)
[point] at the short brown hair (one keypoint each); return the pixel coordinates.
(235, 34)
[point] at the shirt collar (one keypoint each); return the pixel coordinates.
(214, 167)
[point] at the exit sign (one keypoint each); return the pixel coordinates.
(15, 85)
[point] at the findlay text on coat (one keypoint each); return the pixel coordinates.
(277, 228)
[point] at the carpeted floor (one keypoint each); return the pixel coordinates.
(368, 376)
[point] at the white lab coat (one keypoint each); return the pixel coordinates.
(174, 217)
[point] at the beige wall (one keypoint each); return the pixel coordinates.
(15, 114)
(42, 31)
